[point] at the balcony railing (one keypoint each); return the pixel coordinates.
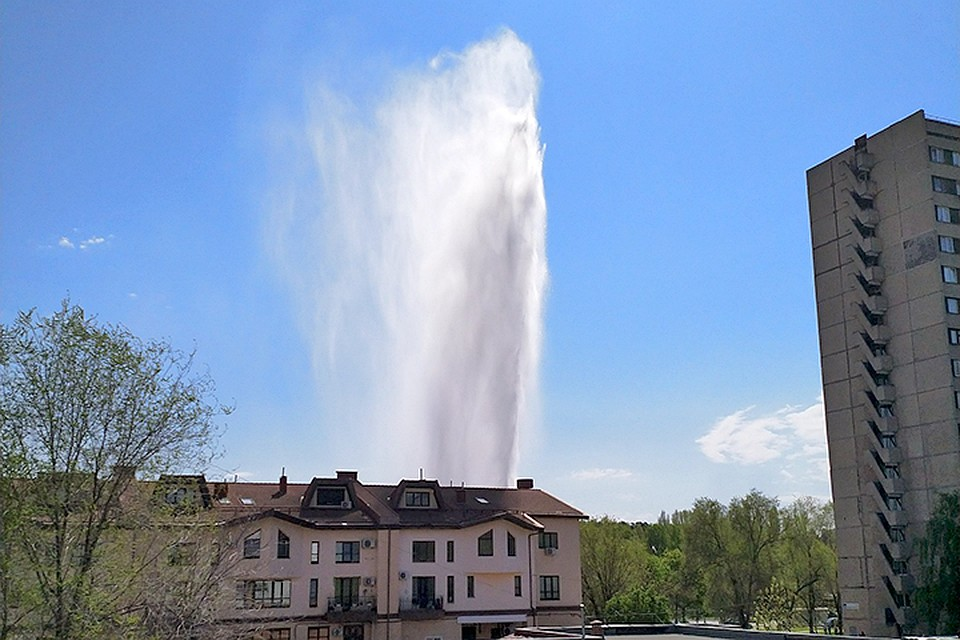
(342, 604)
(421, 608)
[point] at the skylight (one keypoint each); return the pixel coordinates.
(482, 500)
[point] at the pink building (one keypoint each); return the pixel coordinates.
(338, 559)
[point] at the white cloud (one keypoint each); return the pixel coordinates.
(65, 242)
(601, 474)
(793, 433)
(92, 242)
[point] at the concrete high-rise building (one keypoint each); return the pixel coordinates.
(885, 224)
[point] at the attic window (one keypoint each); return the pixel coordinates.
(417, 498)
(223, 500)
(482, 500)
(332, 497)
(247, 501)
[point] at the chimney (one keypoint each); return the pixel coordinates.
(524, 483)
(283, 483)
(346, 475)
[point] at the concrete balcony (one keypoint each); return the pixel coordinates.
(877, 332)
(890, 455)
(899, 550)
(874, 275)
(880, 364)
(893, 486)
(871, 246)
(885, 393)
(896, 518)
(887, 424)
(352, 609)
(869, 217)
(421, 609)
(904, 583)
(878, 305)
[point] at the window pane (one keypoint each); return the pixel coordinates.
(424, 551)
(485, 544)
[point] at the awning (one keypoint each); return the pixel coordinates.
(492, 618)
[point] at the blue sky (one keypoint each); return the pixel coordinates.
(680, 354)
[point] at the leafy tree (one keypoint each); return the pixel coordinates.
(611, 559)
(642, 604)
(938, 595)
(734, 547)
(774, 606)
(808, 556)
(83, 407)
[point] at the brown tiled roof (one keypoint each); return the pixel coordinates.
(378, 506)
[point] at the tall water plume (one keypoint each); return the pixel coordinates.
(414, 238)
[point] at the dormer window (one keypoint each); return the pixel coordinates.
(418, 498)
(251, 545)
(331, 498)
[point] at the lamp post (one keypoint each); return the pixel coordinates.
(583, 622)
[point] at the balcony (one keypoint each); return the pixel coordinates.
(352, 609)
(421, 608)
(885, 393)
(890, 455)
(899, 550)
(893, 486)
(870, 246)
(869, 217)
(880, 364)
(904, 583)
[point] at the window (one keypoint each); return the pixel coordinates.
(266, 594)
(353, 632)
(518, 586)
(424, 551)
(283, 545)
(955, 367)
(347, 552)
(314, 589)
(945, 156)
(897, 534)
(953, 305)
(315, 552)
(424, 592)
(449, 550)
(891, 471)
(251, 545)
(894, 503)
(888, 441)
(948, 244)
(953, 335)
(331, 497)
(417, 498)
(470, 587)
(485, 544)
(450, 584)
(549, 587)
(947, 214)
(275, 634)
(318, 633)
(946, 185)
(549, 540)
(950, 274)
(885, 411)
(346, 592)
(956, 399)
(511, 545)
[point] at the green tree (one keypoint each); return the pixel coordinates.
(808, 556)
(938, 594)
(642, 604)
(612, 560)
(83, 407)
(734, 546)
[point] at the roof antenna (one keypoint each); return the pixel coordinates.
(421, 473)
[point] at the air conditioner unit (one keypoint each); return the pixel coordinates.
(369, 581)
(369, 543)
(345, 504)
(403, 575)
(550, 551)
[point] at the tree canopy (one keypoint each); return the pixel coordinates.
(84, 408)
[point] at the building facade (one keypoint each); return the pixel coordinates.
(885, 226)
(339, 559)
